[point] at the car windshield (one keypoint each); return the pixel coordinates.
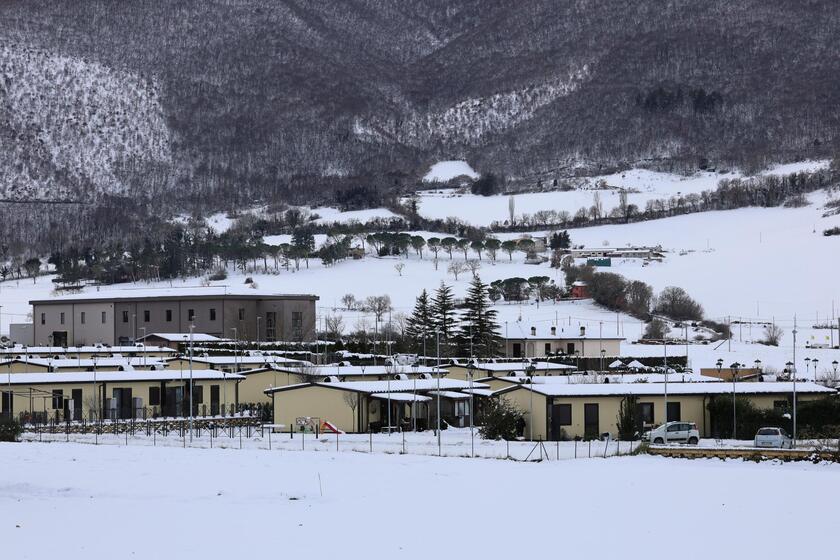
(768, 432)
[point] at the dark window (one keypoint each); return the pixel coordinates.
(212, 313)
(241, 313)
(297, 324)
(168, 315)
(673, 412)
(43, 318)
(190, 314)
(517, 350)
(198, 394)
(125, 316)
(104, 317)
(646, 412)
(547, 348)
(61, 318)
(82, 317)
(147, 315)
(570, 348)
(563, 412)
(154, 396)
(58, 399)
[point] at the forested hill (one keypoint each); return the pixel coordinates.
(232, 101)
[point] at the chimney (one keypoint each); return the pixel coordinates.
(533, 331)
(553, 331)
(583, 331)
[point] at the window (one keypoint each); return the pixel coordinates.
(43, 318)
(212, 313)
(297, 324)
(241, 313)
(517, 350)
(147, 315)
(190, 314)
(61, 317)
(168, 315)
(57, 399)
(563, 413)
(125, 316)
(154, 396)
(547, 348)
(82, 317)
(646, 412)
(673, 412)
(104, 317)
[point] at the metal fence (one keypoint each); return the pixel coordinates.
(249, 433)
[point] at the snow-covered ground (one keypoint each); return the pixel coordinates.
(443, 171)
(642, 185)
(334, 215)
(84, 501)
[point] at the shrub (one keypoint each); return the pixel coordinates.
(832, 231)
(655, 330)
(501, 420)
(675, 303)
(217, 275)
(628, 418)
(10, 430)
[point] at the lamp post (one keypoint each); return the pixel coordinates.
(603, 353)
(734, 367)
(144, 345)
(95, 390)
(437, 336)
(834, 365)
(235, 348)
(815, 361)
(530, 370)
(793, 370)
(758, 367)
(191, 380)
(258, 330)
(415, 367)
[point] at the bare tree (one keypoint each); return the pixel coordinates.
(348, 301)
(473, 265)
(399, 267)
(334, 325)
(772, 335)
(456, 267)
(351, 399)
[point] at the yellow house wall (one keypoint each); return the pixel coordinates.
(315, 401)
(22, 367)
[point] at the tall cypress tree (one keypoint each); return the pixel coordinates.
(443, 311)
(421, 324)
(479, 322)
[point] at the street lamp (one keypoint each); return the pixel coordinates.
(815, 362)
(235, 348)
(603, 353)
(95, 390)
(192, 327)
(834, 365)
(807, 368)
(734, 367)
(437, 337)
(530, 371)
(144, 345)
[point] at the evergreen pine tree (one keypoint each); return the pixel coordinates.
(479, 322)
(443, 311)
(421, 324)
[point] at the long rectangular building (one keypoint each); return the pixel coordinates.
(124, 316)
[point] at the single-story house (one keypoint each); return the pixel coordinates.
(32, 365)
(505, 369)
(107, 394)
(173, 340)
(75, 352)
(556, 411)
(233, 363)
(361, 406)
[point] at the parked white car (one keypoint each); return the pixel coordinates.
(674, 432)
(773, 437)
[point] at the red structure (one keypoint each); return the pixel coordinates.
(579, 290)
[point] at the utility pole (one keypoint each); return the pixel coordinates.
(437, 334)
(191, 381)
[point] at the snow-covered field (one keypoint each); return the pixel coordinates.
(642, 185)
(82, 501)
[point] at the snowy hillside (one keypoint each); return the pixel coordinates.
(68, 126)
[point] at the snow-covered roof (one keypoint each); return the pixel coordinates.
(617, 364)
(621, 389)
(106, 362)
(623, 378)
(194, 292)
(19, 349)
(449, 394)
(185, 337)
(336, 370)
(479, 392)
(245, 359)
(401, 397)
(518, 366)
(115, 376)
(396, 386)
(636, 364)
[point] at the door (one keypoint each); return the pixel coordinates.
(590, 421)
(570, 348)
(214, 400)
(77, 404)
(59, 338)
(271, 326)
(8, 401)
(673, 412)
(173, 404)
(678, 432)
(123, 400)
(561, 416)
(517, 350)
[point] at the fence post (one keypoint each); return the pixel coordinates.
(371, 441)
(269, 439)
(558, 449)
(403, 435)
(575, 447)
(336, 440)
(507, 449)
(590, 448)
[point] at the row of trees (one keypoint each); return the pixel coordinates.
(470, 329)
